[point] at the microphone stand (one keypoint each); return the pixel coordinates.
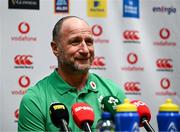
(64, 127)
(147, 126)
(86, 127)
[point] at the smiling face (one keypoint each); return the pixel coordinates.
(75, 47)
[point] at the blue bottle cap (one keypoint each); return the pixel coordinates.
(106, 115)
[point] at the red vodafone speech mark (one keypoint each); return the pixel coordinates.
(23, 27)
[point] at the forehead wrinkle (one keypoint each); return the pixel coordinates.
(84, 30)
(78, 32)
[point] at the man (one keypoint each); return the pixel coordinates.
(70, 83)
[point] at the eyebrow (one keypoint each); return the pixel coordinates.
(74, 38)
(80, 38)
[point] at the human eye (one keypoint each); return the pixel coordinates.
(89, 41)
(75, 41)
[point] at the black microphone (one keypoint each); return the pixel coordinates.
(60, 116)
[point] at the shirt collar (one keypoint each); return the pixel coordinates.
(62, 87)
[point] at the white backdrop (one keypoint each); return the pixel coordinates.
(140, 53)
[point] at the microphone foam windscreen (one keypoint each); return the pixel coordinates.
(81, 113)
(142, 109)
(58, 111)
(109, 104)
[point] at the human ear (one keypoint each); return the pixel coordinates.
(55, 49)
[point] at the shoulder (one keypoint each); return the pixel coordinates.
(37, 91)
(104, 81)
(108, 87)
(35, 100)
(38, 87)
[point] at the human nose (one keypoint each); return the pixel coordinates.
(84, 47)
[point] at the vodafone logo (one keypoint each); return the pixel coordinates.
(97, 30)
(164, 33)
(164, 63)
(16, 113)
(23, 59)
(132, 35)
(93, 85)
(24, 81)
(99, 61)
(165, 83)
(132, 86)
(23, 27)
(132, 58)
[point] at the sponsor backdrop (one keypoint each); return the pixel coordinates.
(136, 45)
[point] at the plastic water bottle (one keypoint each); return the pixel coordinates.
(168, 118)
(126, 118)
(105, 124)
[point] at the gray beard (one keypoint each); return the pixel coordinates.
(72, 68)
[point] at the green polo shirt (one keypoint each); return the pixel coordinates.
(34, 107)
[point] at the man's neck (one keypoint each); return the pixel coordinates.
(77, 80)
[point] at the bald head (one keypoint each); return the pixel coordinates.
(65, 23)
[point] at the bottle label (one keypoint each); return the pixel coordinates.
(135, 127)
(172, 127)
